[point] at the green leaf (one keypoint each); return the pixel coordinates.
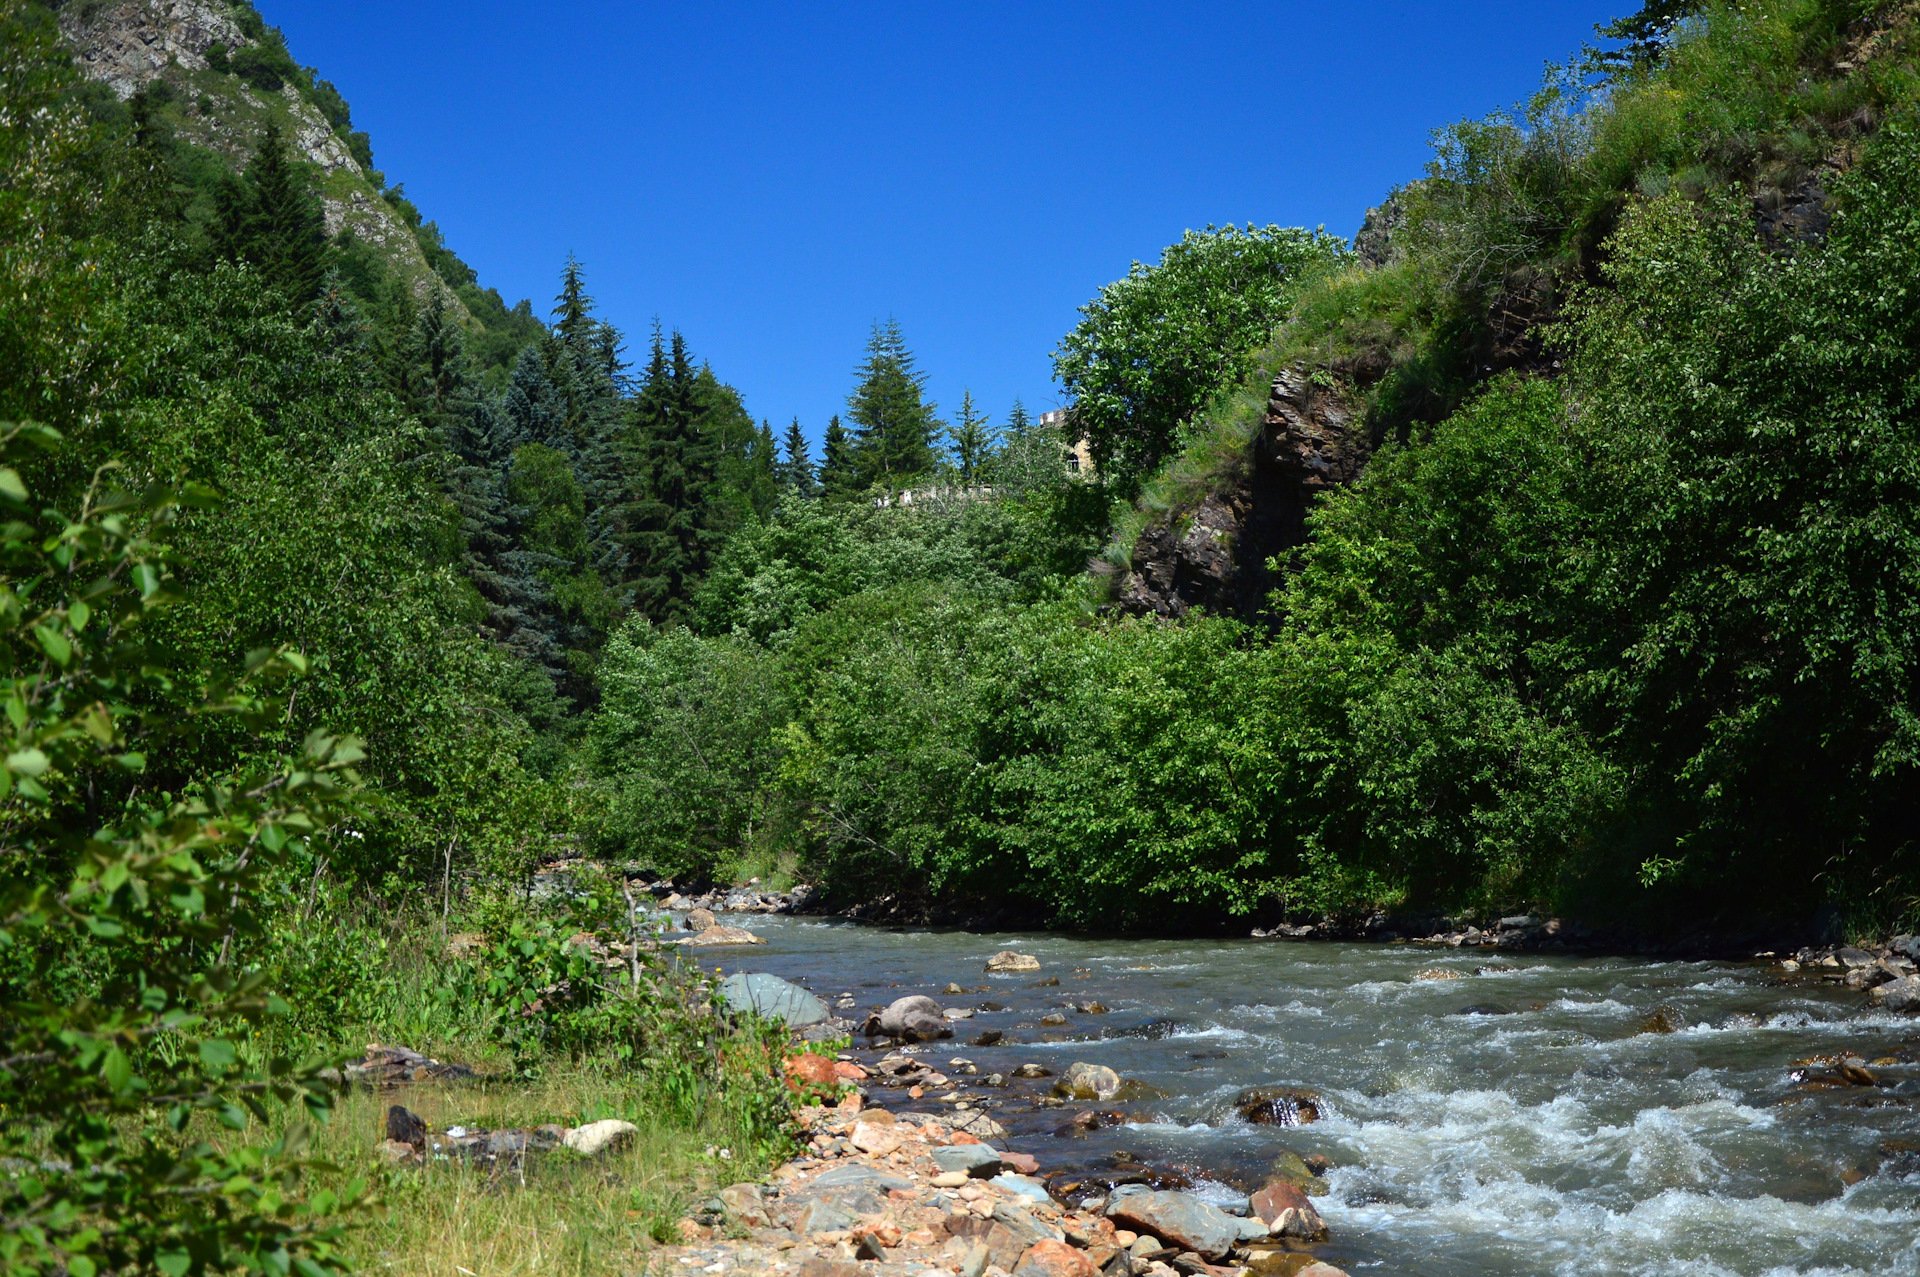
(173, 1263)
(27, 762)
(81, 1266)
(78, 615)
(10, 486)
(216, 1053)
(54, 644)
(118, 1071)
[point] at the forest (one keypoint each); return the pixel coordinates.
(338, 602)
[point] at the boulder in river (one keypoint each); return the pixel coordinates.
(1287, 1212)
(773, 998)
(1085, 1081)
(718, 935)
(1278, 1105)
(1007, 961)
(1179, 1219)
(911, 1019)
(701, 920)
(1899, 995)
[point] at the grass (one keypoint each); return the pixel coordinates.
(559, 1213)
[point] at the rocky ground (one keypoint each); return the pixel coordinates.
(880, 1194)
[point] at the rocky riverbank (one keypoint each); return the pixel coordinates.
(884, 1194)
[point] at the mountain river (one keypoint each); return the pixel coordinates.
(1583, 1117)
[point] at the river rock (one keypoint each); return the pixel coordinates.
(978, 1160)
(1179, 1219)
(1088, 1082)
(1050, 1258)
(773, 998)
(912, 1019)
(1278, 1105)
(598, 1137)
(716, 936)
(701, 920)
(1287, 1213)
(1899, 995)
(745, 1205)
(1007, 961)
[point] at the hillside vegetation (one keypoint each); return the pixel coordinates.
(341, 598)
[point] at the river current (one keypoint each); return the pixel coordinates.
(1581, 1117)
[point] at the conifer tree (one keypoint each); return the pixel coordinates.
(533, 409)
(269, 219)
(664, 536)
(972, 442)
(837, 478)
(894, 425)
(796, 469)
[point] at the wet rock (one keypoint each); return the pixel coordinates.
(1053, 1019)
(1033, 1070)
(1899, 995)
(1484, 1008)
(1088, 1082)
(1089, 1120)
(1278, 1105)
(988, 1037)
(773, 998)
(598, 1137)
(1664, 1019)
(717, 936)
(1287, 1212)
(1007, 961)
(701, 920)
(912, 1019)
(1051, 1258)
(1437, 973)
(1185, 1221)
(1090, 1008)
(1151, 1031)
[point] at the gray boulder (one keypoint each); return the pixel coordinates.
(1899, 995)
(1178, 1219)
(1088, 1082)
(913, 1019)
(774, 998)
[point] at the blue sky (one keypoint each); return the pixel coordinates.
(773, 178)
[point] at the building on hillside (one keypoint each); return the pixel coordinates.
(1079, 457)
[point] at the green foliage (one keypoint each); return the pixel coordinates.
(1154, 347)
(122, 998)
(893, 424)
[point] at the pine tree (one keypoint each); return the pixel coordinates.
(894, 425)
(796, 470)
(972, 442)
(664, 534)
(532, 406)
(434, 372)
(270, 220)
(838, 480)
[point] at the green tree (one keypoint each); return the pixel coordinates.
(796, 467)
(838, 478)
(973, 442)
(270, 219)
(1152, 349)
(893, 424)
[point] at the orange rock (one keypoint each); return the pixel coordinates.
(812, 1070)
(961, 1137)
(1021, 1162)
(915, 1092)
(1051, 1258)
(848, 1071)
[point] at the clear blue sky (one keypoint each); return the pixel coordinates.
(772, 178)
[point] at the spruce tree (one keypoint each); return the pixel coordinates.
(894, 425)
(972, 442)
(796, 469)
(664, 534)
(532, 406)
(270, 219)
(838, 480)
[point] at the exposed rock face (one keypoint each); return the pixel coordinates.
(1214, 555)
(128, 44)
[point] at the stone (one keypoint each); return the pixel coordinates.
(1278, 1105)
(978, 1160)
(1085, 1081)
(1007, 962)
(949, 1179)
(598, 1137)
(990, 1037)
(1851, 957)
(701, 920)
(1033, 1070)
(1178, 1218)
(811, 1070)
(975, 1262)
(1021, 1162)
(404, 1126)
(912, 1019)
(744, 1205)
(772, 998)
(1050, 1258)
(397, 1152)
(874, 1138)
(1899, 995)
(1437, 973)
(716, 936)
(1053, 1019)
(1287, 1212)
(1022, 1185)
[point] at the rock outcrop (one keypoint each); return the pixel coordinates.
(1214, 553)
(128, 44)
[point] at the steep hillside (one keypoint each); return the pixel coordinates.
(217, 75)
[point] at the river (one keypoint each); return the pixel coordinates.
(1588, 1117)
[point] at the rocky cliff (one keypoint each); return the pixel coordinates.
(130, 44)
(1214, 552)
